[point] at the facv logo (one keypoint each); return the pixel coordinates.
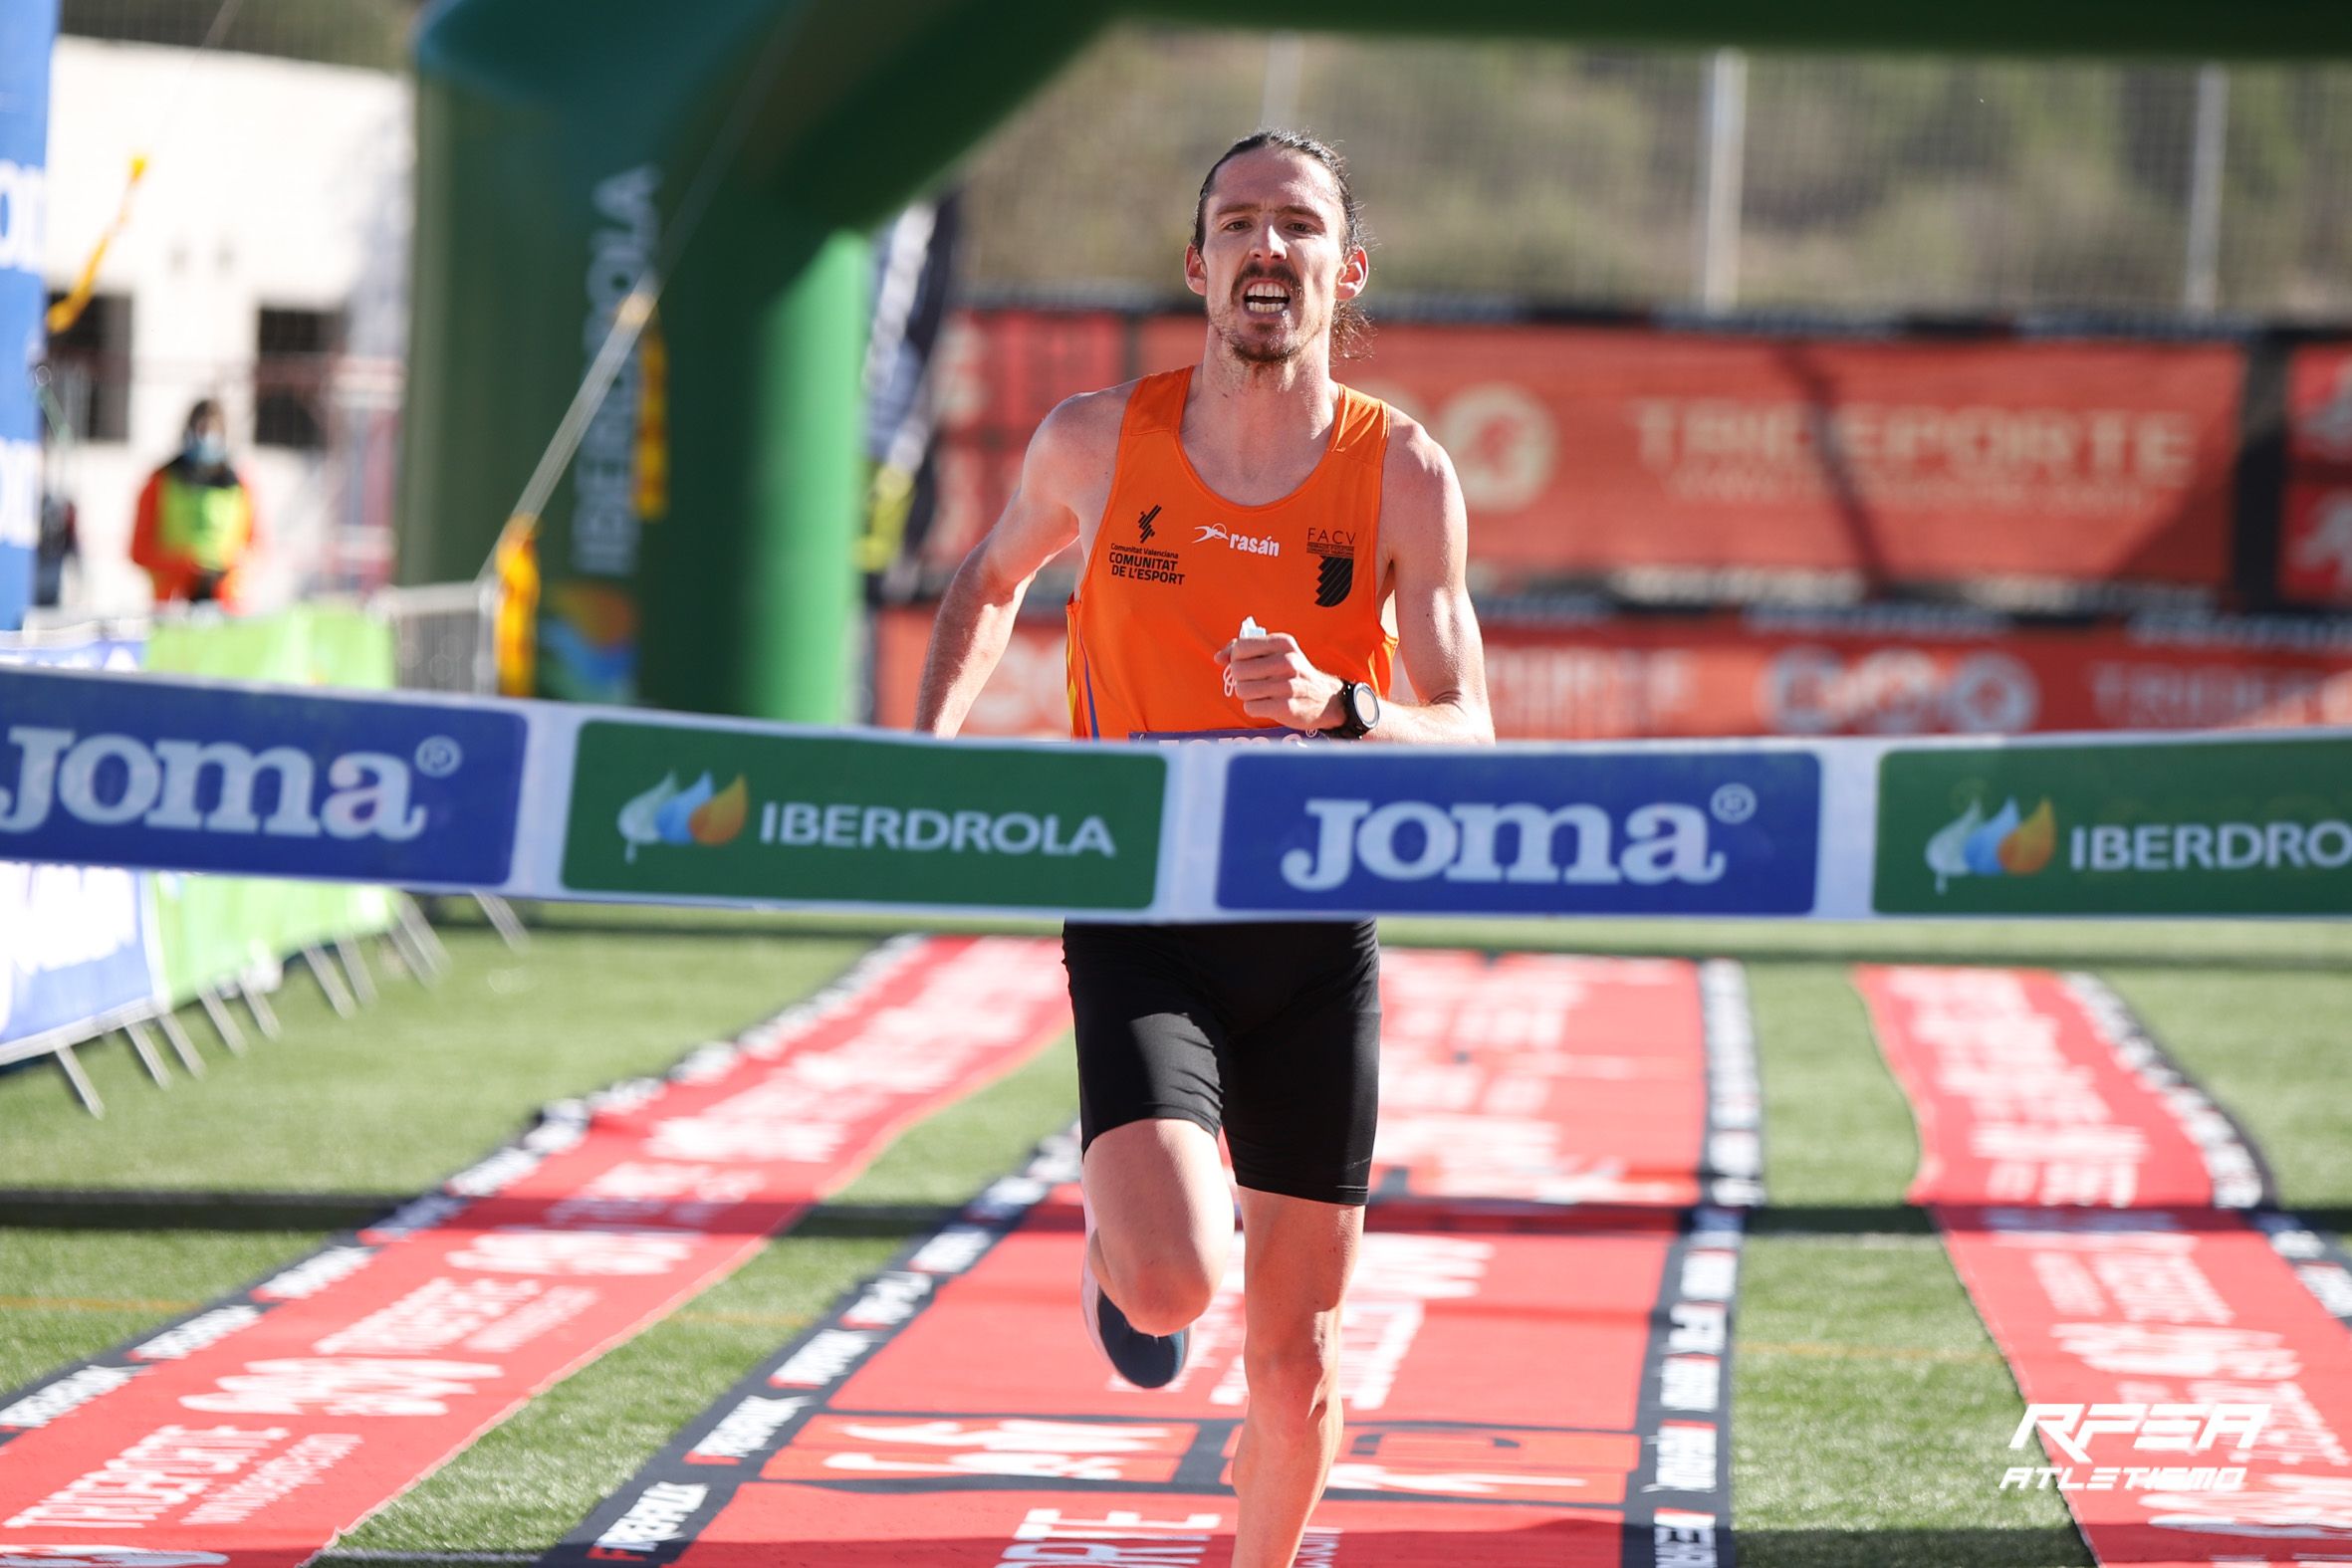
(1659, 842)
(158, 784)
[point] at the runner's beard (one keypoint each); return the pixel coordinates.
(1251, 347)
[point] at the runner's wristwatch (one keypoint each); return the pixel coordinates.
(1360, 705)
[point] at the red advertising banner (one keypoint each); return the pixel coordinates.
(1536, 1362)
(2315, 538)
(1598, 452)
(2180, 1342)
(251, 1434)
(1726, 675)
(1002, 372)
(1589, 452)
(2024, 1095)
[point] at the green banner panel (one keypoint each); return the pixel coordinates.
(665, 811)
(211, 929)
(2248, 827)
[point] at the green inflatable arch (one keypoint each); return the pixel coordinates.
(698, 553)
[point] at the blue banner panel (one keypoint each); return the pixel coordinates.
(76, 940)
(106, 770)
(28, 31)
(76, 946)
(1649, 833)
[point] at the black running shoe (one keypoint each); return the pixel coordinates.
(1149, 1361)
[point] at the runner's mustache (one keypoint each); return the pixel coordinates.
(1264, 275)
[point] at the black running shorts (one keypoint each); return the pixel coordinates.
(1270, 1031)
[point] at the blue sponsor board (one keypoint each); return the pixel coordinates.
(75, 941)
(1701, 832)
(28, 31)
(74, 949)
(139, 770)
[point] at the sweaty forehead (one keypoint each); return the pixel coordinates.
(1275, 176)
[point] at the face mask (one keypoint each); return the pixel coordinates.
(207, 451)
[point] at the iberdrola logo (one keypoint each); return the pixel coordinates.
(2004, 845)
(697, 815)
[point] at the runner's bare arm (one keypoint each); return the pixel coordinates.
(1066, 459)
(1425, 540)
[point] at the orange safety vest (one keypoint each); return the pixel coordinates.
(1176, 568)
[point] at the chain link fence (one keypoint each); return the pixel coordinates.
(1580, 176)
(330, 32)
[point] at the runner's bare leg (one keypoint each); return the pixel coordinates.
(1163, 1220)
(1298, 1255)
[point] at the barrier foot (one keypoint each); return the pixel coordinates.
(224, 1022)
(356, 973)
(330, 982)
(503, 920)
(137, 1034)
(182, 1047)
(83, 1089)
(421, 936)
(403, 954)
(265, 1016)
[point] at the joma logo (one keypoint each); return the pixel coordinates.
(158, 785)
(1659, 844)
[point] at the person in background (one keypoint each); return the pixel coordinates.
(59, 543)
(195, 527)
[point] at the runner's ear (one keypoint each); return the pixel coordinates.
(1354, 273)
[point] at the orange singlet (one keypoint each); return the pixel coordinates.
(1176, 568)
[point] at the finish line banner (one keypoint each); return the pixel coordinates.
(561, 802)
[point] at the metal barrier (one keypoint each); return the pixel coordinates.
(443, 633)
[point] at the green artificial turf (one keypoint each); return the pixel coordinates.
(2056, 943)
(68, 1294)
(1871, 1417)
(215, 1179)
(1871, 1413)
(428, 1082)
(2275, 1046)
(522, 1487)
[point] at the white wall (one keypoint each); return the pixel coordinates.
(269, 182)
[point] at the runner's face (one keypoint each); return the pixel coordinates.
(1272, 261)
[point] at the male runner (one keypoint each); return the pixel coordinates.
(1252, 532)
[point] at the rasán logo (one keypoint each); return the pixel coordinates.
(1521, 834)
(2005, 845)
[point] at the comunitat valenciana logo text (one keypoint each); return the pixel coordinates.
(1415, 840)
(119, 780)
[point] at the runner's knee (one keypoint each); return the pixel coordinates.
(1162, 1294)
(1292, 1382)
